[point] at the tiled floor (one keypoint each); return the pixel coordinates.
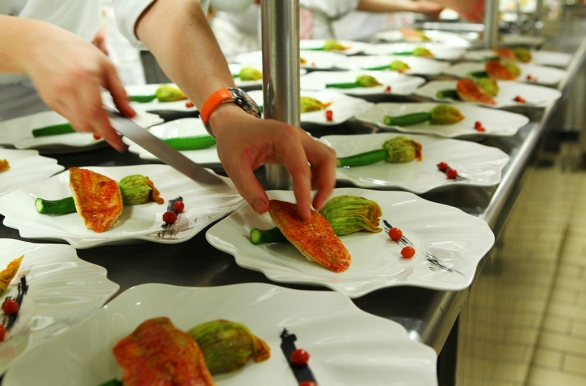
(560, 355)
(525, 321)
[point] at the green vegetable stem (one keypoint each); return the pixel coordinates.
(478, 74)
(196, 142)
(264, 236)
(142, 98)
(63, 128)
(407, 119)
(362, 159)
(448, 94)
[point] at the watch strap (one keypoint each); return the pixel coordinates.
(211, 104)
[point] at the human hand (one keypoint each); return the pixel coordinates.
(69, 73)
(471, 10)
(100, 39)
(427, 8)
(245, 143)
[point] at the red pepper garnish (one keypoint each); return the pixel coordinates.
(443, 166)
(329, 115)
(478, 126)
(97, 137)
(452, 174)
(519, 99)
(388, 89)
(189, 104)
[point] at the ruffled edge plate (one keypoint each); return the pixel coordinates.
(26, 166)
(534, 95)
(392, 82)
(343, 107)
(348, 346)
(494, 122)
(63, 291)
(203, 205)
(477, 165)
(449, 245)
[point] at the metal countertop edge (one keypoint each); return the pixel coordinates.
(449, 303)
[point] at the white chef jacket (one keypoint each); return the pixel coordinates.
(82, 17)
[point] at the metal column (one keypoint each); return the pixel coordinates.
(280, 58)
(491, 23)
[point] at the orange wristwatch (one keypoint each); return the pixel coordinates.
(227, 95)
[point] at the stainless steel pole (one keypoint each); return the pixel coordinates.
(491, 23)
(280, 60)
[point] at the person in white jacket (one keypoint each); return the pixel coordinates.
(69, 73)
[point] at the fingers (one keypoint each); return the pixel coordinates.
(245, 181)
(96, 117)
(323, 167)
(114, 85)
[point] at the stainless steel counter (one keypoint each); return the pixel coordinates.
(428, 315)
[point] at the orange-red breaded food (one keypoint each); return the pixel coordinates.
(97, 198)
(315, 239)
(497, 70)
(158, 353)
(468, 90)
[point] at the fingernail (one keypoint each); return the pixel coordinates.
(259, 206)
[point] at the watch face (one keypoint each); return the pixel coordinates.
(245, 102)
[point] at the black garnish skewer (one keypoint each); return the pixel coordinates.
(433, 262)
(436, 265)
(302, 373)
(167, 227)
(403, 239)
(9, 320)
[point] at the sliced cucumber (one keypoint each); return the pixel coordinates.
(264, 236)
(63, 128)
(62, 206)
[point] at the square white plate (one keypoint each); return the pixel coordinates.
(495, 122)
(455, 239)
(477, 165)
(399, 84)
(26, 166)
(203, 205)
(348, 346)
(534, 95)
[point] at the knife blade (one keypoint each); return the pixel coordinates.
(160, 149)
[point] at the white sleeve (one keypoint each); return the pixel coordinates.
(333, 9)
(127, 14)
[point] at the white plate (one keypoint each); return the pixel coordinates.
(63, 291)
(235, 69)
(203, 205)
(317, 60)
(495, 122)
(343, 107)
(535, 96)
(521, 40)
(183, 127)
(544, 58)
(348, 346)
(479, 165)
(18, 133)
(149, 89)
(421, 66)
(539, 74)
(26, 166)
(439, 50)
(452, 39)
(457, 239)
(354, 47)
(400, 84)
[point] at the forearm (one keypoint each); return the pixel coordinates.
(18, 37)
(178, 34)
(386, 6)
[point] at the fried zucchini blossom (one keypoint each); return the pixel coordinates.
(349, 214)
(137, 189)
(228, 346)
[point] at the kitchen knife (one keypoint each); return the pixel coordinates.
(160, 149)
